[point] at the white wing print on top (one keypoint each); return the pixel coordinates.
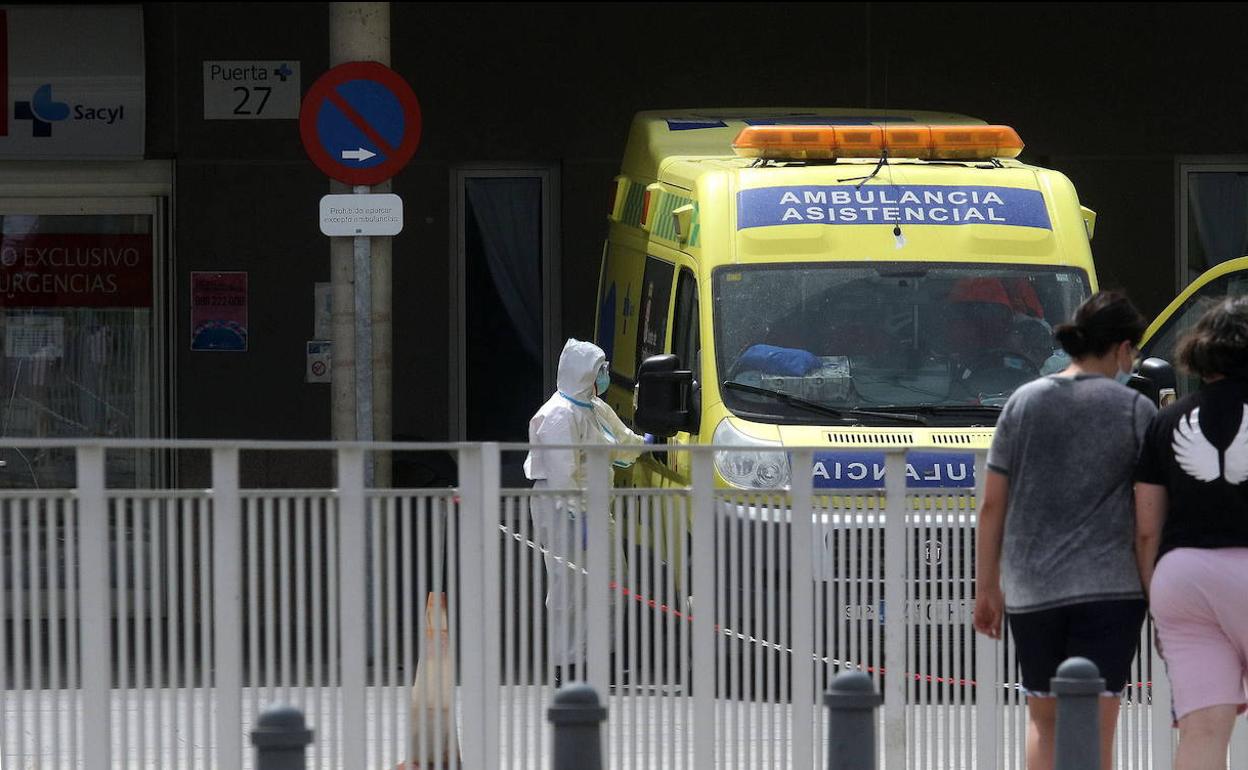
(1199, 458)
(1196, 456)
(1236, 462)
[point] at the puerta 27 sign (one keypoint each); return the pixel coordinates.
(360, 123)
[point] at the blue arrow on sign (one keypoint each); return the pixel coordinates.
(360, 123)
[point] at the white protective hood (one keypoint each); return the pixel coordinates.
(578, 368)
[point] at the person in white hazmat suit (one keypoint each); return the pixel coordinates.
(573, 415)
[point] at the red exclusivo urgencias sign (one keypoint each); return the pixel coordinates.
(45, 270)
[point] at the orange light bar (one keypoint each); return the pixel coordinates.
(975, 142)
(798, 142)
(860, 141)
(904, 141)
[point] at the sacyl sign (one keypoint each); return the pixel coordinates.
(88, 105)
(43, 109)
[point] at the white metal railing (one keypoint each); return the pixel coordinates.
(148, 627)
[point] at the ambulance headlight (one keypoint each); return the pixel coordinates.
(760, 465)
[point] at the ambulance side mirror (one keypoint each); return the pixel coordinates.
(664, 397)
(1155, 379)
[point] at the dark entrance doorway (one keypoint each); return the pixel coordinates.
(506, 275)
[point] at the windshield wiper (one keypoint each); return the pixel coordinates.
(830, 411)
(991, 408)
(985, 409)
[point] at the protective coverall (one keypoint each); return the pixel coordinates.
(573, 415)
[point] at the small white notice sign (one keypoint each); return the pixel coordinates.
(365, 214)
(251, 90)
(320, 360)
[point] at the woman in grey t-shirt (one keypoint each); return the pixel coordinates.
(1055, 551)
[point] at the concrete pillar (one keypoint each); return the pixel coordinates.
(361, 32)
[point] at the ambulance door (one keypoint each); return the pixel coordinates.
(686, 346)
(1228, 279)
(649, 337)
(624, 312)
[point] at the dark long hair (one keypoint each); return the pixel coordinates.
(1218, 343)
(1104, 320)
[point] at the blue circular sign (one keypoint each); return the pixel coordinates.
(360, 123)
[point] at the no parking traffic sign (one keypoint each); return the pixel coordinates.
(360, 123)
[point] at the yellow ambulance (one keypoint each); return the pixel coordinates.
(838, 278)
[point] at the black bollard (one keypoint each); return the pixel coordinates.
(577, 716)
(1078, 687)
(851, 701)
(280, 738)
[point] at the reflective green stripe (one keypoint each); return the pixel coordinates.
(662, 205)
(665, 225)
(633, 201)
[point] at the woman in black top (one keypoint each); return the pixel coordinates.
(1192, 536)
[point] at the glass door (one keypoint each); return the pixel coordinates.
(1213, 215)
(79, 317)
(505, 319)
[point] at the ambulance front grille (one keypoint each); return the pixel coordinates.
(961, 439)
(871, 439)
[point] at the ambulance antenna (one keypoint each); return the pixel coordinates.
(861, 180)
(899, 240)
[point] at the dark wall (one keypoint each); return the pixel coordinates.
(245, 199)
(1108, 94)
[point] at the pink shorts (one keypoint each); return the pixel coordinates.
(1199, 600)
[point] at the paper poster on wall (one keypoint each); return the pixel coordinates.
(34, 336)
(219, 311)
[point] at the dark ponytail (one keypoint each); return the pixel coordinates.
(1071, 338)
(1105, 320)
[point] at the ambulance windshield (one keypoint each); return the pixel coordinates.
(938, 337)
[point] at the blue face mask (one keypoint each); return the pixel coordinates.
(1125, 377)
(603, 382)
